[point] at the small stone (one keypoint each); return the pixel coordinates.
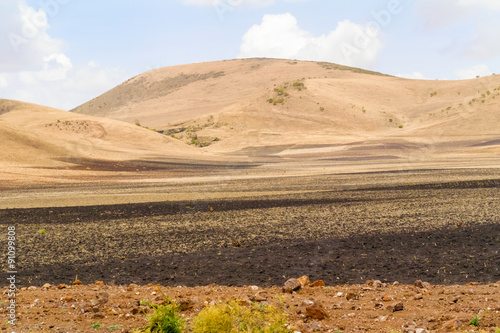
(61, 286)
(396, 307)
(316, 311)
(186, 304)
(452, 325)
(352, 296)
(377, 284)
(97, 316)
(32, 288)
(304, 281)
(421, 330)
(67, 299)
(291, 285)
(396, 283)
(387, 299)
(77, 283)
(419, 284)
(317, 284)
(254, 288)
(315, 326)
(99, 283)
(46, 286)
(102, 298)
(418, 297)
(132, 286)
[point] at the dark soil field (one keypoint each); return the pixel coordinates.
(442, 233)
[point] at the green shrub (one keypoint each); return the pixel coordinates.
(42, 231)
(401, 126)
(164, 319)
(434, 93)
(96, 325)
(233, 317)
(474, 321)
(280, 91)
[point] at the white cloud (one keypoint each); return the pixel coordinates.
(234, 3)
(472, 72)
(25, 41)
(61, 86)
(33, 66)
(3, 81)
(279, 36)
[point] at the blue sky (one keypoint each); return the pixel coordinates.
(61, 53)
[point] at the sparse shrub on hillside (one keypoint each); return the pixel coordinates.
(390, 120)
(233, 317)
(137, 123)
(401, 126)
(279, 91)
(434, 93)
(322, 108)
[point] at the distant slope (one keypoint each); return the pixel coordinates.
(37, 136)
(239, 104)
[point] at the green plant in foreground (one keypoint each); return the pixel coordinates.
(164, 319)
(42, 231)
(474, 321)
(401, 126)
(233, 317)
(96, 325)
(114, 327)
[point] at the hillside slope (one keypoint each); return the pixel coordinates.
(45, 139)
(239, 106)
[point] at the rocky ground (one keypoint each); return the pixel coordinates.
(203, 251)
(370, 307)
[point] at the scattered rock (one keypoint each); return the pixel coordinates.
(304, 281)
(46, 286)
(396, 283)
(259, 297)
(291, 285)
(77, 282)
(61, 286)
(67, 299)
(317, 284)
(396, 307)
(132, 287)
(99, 283)
(186, 304)
(97, 316)
(374, 283)
(352, 296)
(254, 288)
(418, 296)
(32, 288)
(102, 298)
(316, 311)
(452, 325)
(422, 285)
(315, 326)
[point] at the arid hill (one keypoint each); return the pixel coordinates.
(38, 140)
(241, 107)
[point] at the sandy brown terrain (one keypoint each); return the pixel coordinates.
(219, 176)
